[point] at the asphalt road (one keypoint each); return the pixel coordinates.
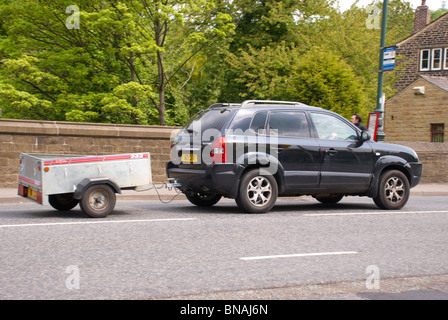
(301, 250)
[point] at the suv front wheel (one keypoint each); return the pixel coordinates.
(393, 192)
(258, 192)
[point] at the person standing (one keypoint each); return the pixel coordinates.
(357, 121)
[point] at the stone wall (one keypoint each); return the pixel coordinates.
(21, 136)
(434, 157)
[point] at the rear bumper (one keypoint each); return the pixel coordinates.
(223, 179)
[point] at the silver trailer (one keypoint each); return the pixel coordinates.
(63, 181)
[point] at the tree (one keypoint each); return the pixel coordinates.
(325, 80)
(264, 73)
(264, 30)
(117, 65)
(169, 17)
(318, 77)
(438, 13)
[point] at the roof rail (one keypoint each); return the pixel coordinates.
(221, 105)
(253, 103)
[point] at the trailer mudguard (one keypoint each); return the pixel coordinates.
(87, 182)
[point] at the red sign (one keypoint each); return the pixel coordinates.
(372, 124)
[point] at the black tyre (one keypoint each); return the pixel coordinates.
(203, 199)
(62, 202)
(258, 192)
(330, 200)
(98, 201)
(393, 191)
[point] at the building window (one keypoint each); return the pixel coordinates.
(436, 63)
(438, 132)
(445, 63)
(424, 60)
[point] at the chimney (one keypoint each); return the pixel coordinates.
(422, 17)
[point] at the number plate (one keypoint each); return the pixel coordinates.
(189, 158)
(32, 193)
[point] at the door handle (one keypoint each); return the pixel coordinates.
(331, 152)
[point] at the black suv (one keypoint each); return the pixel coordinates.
(257, 151)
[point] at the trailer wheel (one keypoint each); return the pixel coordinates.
(63, 202)
(98, 201)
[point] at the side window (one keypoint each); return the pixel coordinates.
(258, 124)
(329, 127)
(289, 124)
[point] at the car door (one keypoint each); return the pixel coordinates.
(346, 162)
(298, 153)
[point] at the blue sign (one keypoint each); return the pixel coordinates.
(389, 58)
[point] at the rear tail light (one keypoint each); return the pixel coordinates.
(218, 153)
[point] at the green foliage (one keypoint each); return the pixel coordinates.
(330, 60)
(117, 67)
(318, 77)
(161, 61)
(438, 13)
(323, 79)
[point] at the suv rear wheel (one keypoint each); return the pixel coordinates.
(258, 192)
(393, 192)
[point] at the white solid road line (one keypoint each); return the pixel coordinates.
(300, 255)
(369, 213)
(92, 222)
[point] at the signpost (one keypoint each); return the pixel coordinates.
(381, 136)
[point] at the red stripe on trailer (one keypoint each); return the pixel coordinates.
(127, 156)
(97, 159)
(57, 161)
(82, 160)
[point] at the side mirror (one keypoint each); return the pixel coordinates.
(365, 136)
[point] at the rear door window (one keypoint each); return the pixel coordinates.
(258, 124)
(289, 124)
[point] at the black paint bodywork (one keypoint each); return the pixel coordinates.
(304, 166)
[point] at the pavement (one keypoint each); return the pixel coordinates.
(9, 195)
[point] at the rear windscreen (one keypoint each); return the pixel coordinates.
(210, 119)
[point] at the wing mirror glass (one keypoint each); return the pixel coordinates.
(365, 136)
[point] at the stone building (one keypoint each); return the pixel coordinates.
(425, 52)
(419, 110)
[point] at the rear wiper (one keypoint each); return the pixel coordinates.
(191, 131)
